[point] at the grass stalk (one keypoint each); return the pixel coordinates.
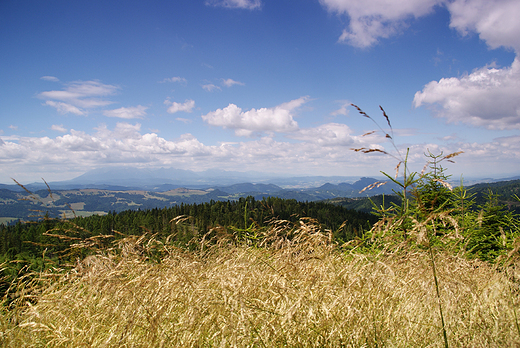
(438, 292)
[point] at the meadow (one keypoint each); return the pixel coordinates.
(294, 287)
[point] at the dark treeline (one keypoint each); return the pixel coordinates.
(51, 242)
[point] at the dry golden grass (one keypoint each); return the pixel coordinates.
(302, 292)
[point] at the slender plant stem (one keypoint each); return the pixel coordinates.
(438, 294)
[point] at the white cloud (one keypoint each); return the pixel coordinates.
(138, 111)
(327, 135)
(64, 108)
(183, 120)
(343, 110)
(374, 19)
(59, 128)
(127, 131)
(13, 127)
(323, 150)
(496, 21)
(187, 106)
(78, 96)
(50, 78)
(230, 82)
(503, 153)
(277, 119)
(210, 87)
(175, 79)
(80, 151)
(488, 97)
(245, 4)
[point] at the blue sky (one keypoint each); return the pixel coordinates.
(257, 85)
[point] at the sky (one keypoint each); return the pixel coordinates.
(258, 85)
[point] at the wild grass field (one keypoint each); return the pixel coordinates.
(295, 288)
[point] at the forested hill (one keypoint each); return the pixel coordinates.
(63, 241)
(200, 217)
(21, 204)
(505, 190)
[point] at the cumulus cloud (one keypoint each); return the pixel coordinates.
(244, 4)
(495, 21)
(59, 128)
(187, 106)
(374, 19)
(78, 96)
(138, 111)
(488, 97)
(246, 123)
(230, 82)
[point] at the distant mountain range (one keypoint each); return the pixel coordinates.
(164, 179)
(119, 189)
(33, 203)
(23, 205)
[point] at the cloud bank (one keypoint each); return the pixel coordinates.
(321, 150)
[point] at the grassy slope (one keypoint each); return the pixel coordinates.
(300, 293)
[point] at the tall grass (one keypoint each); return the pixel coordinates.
(295, 289)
